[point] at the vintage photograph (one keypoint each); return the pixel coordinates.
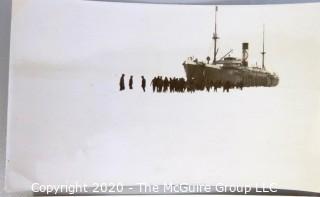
(129, 93)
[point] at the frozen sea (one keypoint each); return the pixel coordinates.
(67, 127)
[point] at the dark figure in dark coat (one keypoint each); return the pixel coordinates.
(131, 82)
(122, 87)
(207, 84)
(159, 84)
(215, 85)
(143, 83)
(227, 86)
(154, 84)
(241, 85)
(165, 84)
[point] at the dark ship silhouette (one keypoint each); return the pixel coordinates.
(228, 71)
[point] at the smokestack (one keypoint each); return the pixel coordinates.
(245, 54)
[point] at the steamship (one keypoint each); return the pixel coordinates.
(227, 69)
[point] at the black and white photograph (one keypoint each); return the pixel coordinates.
(128, 94)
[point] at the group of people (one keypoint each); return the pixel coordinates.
(226, 86)
(164, 84)
(173, 84)
(122, 83)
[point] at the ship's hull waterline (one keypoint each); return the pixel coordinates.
(200, 74)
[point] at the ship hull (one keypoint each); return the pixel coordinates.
(202, 74)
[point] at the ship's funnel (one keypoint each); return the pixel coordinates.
(245, 54)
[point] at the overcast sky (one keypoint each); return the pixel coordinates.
(155, 39)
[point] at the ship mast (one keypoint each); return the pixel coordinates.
(215, 36)
(263, 51)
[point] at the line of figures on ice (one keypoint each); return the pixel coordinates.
(122, 83)
(165, 84)
(173, 84)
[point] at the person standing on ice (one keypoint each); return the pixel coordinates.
(165, 84)
(143, 83)
(122, 87)
(131, 82)
(154, 84)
